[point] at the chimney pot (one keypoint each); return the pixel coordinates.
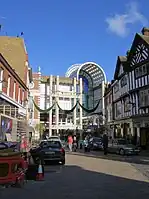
(145, 31)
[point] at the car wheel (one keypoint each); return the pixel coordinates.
(122, 152)
(63, 162)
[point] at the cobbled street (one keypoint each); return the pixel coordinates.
(85, 177)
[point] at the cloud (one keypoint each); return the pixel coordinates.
(119, 23)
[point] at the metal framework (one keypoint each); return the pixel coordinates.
(92, 69)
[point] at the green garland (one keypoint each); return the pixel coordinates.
(41, 110)
(89, 110)
(66, 111)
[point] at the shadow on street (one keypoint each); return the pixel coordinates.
(75, 182)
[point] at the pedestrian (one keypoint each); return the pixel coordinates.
(105, 143)
(70, 142)
(86, 144)
(75, 142)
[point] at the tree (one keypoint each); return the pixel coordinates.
(40, 128)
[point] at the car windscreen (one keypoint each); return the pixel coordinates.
(122, 142)
(51, 144)
(53, 137)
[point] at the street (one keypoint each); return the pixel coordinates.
(85, 177)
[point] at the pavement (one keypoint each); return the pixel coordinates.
(86, 176)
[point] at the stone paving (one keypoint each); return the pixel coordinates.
(86, 178)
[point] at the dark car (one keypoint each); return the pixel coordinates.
(122, 147)
(96, 143)
(50, 150)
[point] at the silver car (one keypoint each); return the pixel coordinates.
(122, 147)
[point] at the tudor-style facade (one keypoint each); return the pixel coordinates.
(130, 92)
(138, 71)
(122, 102)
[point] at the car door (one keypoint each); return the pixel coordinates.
(110, 145)
(115, 146)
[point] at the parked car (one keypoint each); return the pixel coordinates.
(50, 150)
(54, 138)
(122, 147)
(96, 143)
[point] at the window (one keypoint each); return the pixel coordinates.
(144, 98)
(23, 98)
(116, 87)
(14, 90)
(8, 87)
(123, 81)
(1, 74)
(127, 105)
(66, 99)
(141, 71)
(118, 109)
(61, 98)
(19, 94)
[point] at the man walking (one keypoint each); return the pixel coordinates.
(70, 142)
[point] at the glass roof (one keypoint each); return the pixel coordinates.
(92, 69)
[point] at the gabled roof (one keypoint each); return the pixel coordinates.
(14, 51)
(137, 38)
(120, 60)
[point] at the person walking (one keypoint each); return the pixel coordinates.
(70, 142)
(75, 143)
(105, 143)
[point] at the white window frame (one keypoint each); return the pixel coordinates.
(23, 94)
(8, 86)
(19, 94)
(14, 90)
(1, 74)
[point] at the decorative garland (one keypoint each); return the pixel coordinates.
(89, 110)
(41, 110)
(66, 111)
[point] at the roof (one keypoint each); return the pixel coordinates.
(9, 68)
(120, 59)
(13, 49)
(145, 38)
(93, 70)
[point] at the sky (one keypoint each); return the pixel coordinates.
(60, 33)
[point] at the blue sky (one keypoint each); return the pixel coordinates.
(59, 33)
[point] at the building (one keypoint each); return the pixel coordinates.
(13, 101)
(13, 50)
(108, 101)
(80, 93)
(60, 93)
(130, 92)
(94, 80)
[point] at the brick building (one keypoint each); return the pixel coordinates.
(15, 78)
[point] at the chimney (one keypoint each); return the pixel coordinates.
(145, 31)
